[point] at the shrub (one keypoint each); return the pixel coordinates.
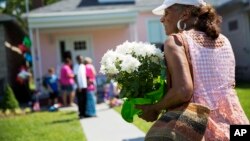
(9, 100)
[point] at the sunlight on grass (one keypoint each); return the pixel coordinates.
(243, 91)
(42, 126)
(141, 124)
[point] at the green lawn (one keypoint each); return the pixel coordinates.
(141, 124)
(243, 91)
(42, 126)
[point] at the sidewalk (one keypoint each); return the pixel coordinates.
(109, 126)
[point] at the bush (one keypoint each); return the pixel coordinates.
(9, 100)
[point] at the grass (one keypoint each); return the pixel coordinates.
(243, 91)
(42, 126)
(141, 124)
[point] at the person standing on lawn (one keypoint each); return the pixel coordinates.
(91, 80)
(51, 81)
(67, 82)
(81, 82)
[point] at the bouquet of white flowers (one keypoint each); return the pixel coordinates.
(139, 70)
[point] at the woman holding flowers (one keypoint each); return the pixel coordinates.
(210, 79)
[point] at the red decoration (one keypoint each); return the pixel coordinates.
(22, 48)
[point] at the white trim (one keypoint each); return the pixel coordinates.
(82, 13)
(133, 32)
(90, 12)
(39, 56)
(82, 28)
(71, 19)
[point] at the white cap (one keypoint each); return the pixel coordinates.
(167, 3)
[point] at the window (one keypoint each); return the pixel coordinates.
(80, 45)
(233, 25)
(156, 33)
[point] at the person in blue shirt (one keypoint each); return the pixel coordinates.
(52, 86)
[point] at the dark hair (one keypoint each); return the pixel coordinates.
(208, 20)
(67, 60)
(79, 58)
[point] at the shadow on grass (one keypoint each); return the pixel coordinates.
(243, 85)
(70, 113)
(63, 121)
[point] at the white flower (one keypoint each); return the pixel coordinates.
(129, 64)
(108, 63)
(130, 61)
(124, 48)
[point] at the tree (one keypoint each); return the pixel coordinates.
(18, 7)
(9, 100)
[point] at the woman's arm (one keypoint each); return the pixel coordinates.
(70, 73)
(181, 81)
(181, 86)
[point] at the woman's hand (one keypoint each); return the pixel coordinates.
(149, 112)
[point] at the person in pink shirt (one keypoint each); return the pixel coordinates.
(67, 82)
(91, 89)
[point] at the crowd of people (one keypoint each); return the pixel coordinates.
(75, 81)
(68, 85)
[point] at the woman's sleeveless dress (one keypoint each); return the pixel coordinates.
(214, 80)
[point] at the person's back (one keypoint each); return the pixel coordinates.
(213, 65)
(90, 72)
(91, 100)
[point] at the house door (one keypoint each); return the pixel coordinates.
(74, 46)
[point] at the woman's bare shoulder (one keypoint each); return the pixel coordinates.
(174, 42)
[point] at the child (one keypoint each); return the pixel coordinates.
(52, 86)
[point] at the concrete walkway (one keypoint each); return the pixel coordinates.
(108, 126)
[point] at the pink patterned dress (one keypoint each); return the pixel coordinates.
(214, 81)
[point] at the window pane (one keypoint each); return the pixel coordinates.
(233, 25)
(80, 45)
(156, 32)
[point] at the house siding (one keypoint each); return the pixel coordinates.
(3, 68)
(240, 40)
(2, 62)
(142, 26)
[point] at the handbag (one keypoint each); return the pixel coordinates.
(187, 122)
